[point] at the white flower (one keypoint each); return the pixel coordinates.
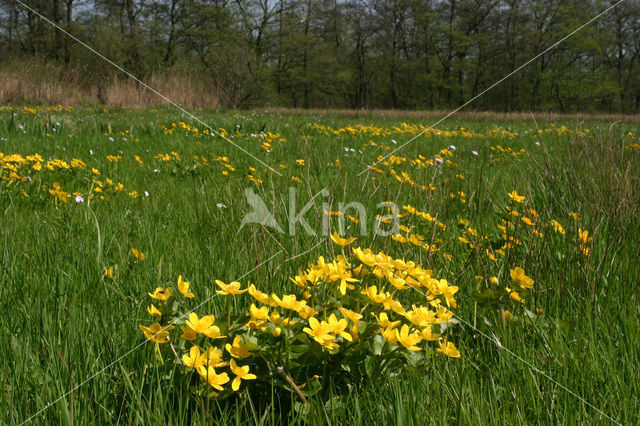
(91, 151)
(146, 193)
(79, 199)
(393, 141)
(221, 206)
(439, 160)
(156, 171)
(452, 147)
(474, 152)
(110, 138)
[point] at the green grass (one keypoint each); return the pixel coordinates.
(63, 322)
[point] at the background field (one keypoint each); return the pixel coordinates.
(63, 320)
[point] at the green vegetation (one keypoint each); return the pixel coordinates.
(81, 188)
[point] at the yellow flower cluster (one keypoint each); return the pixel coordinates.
(339, 303)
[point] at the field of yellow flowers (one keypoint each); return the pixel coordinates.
(307, 269)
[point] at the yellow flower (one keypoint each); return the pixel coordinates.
(153, 311)
(515, 197)
(138, 254)
(289, 301)
(307, 312)
(408, 340)
(183, 287)
(194, 358)
(447, 291)
(341, 241)
(389, 334)
(372, 293)
(242, 373)
(319, 331)
(514, 295)
(421, 316)
(428, 335)
(260, 296)
(204, 325)
(231, 288)
(258, 313)
(443, 314)
(584, 239)
(161, 294)
(212, 357)
(518, 277)
(337, 327)
(394, 305)
(275, 318)
(507, 315)
(352, 316)
(448, 349)
(188, 333)
(215, 380)
(239, 349)
(557, 227)
(384, 322)
(156, 332)
(110, 273)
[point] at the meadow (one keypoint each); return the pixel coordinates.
(532, 223)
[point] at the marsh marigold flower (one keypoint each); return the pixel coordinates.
(188, 333)
(161, 294)
(241, 373)
(183, 287)
(156, 332)
(319, 331)
(231, 288)
(153, 311)
(557, 227)
(214, 379)
(194, 358)
(138, 254)
(518, 276)
(238, 349)
(516, 197)
(448, 349)
(204, 325)
(341, 241)
(408, 340)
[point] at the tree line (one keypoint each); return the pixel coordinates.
(405, 54)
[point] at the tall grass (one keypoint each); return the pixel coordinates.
(36, 82)
(63, 321)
